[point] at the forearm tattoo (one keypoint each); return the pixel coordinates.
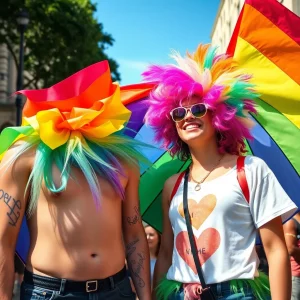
(131, 247)
(136, 218)
(13, 205)
(135, 262)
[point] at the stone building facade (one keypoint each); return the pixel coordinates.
(8, 80)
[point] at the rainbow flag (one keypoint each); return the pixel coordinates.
(266, 43)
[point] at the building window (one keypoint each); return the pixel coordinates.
(2, 76)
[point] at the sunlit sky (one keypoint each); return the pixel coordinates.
(145, 31)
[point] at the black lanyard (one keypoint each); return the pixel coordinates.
(190, 230)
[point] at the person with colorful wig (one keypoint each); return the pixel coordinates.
(199, 110)
(74, 173)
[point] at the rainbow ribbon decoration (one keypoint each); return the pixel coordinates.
(87, 103)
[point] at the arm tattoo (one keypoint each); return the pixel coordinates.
(136, 263)
(13, 205)
(131, 247)
(136, 218)
(136, 268)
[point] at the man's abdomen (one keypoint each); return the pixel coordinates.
(72, 238)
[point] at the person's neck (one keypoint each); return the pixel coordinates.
(205, 156)
(152, 254)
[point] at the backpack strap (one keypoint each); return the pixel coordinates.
(176, 186)
(241, 177)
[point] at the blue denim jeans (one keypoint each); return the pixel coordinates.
(295, 288)
(222, 292)
(121, 290)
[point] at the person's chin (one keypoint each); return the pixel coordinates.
(193, 135)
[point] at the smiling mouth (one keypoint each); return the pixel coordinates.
(192, 126)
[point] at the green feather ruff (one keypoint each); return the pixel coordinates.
(259, 285)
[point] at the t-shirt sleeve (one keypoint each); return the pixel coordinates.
(268, 200)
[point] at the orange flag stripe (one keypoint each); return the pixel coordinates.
(279, 15)
(263, 35)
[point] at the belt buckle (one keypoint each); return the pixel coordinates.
(89, 288)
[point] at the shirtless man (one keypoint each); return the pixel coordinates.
(77, 251)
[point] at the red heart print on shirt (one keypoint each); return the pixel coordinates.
(199, 212)
(207, 244)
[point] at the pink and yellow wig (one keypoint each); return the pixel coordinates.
(218, 82)
(78, 122)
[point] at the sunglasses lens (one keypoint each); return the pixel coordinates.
(198, 110)
(178, 114)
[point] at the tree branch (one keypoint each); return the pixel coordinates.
(36, 84)
(29, 82)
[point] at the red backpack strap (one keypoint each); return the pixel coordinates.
(241, 176)
(176, 186)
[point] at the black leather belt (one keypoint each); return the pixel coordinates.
(88, 286)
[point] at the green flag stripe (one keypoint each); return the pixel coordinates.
(159, 191)
(153, 214)
(284, 133)
(152, 165)
(248, 148)
(153, 180)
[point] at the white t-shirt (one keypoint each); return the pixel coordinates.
(224, 224)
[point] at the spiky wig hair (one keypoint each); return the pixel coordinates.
(218, 82)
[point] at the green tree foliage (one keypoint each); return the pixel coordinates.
(62, 37)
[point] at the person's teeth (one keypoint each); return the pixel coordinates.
(192, 126)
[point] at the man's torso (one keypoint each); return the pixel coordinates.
(72, 238)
